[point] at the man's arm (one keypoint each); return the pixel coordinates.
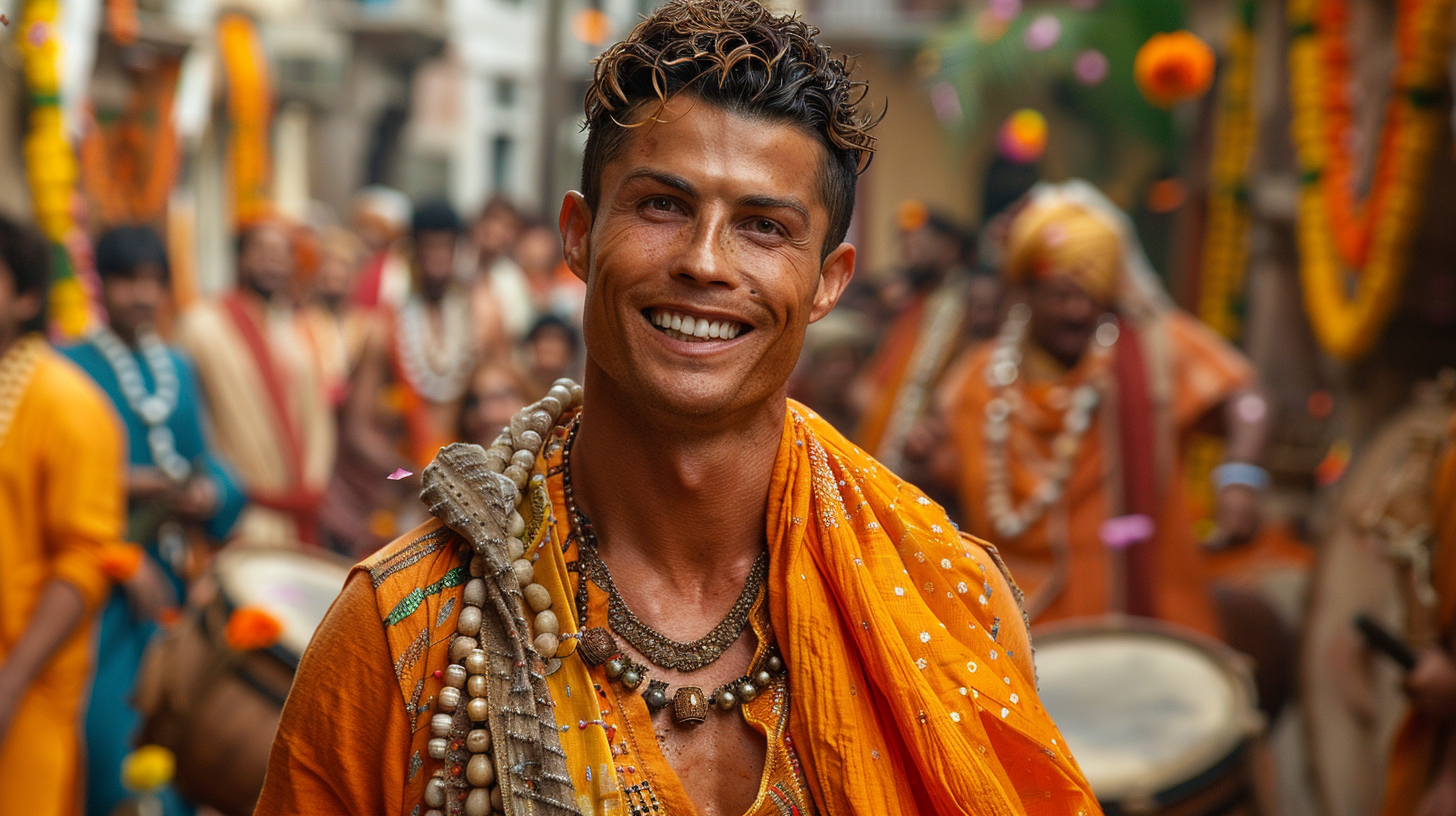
(60, 609)
(83, 512)
(343, 742)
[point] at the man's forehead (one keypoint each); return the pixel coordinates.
(707, 145)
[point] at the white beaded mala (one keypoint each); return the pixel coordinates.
(481, 498)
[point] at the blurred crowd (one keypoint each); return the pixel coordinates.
(1032, 376)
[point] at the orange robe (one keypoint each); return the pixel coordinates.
(916, 353)
(1061, 561)
(1415, 745)
(909, 690)
(62, 502)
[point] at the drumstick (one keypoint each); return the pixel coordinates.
(1381, 640)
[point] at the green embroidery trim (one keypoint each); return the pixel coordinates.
(417, 596)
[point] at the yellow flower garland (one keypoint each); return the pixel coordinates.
(250, 107)
(1226, 233)
(1348, 326)
(50, 162)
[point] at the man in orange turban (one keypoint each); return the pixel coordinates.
(675, 591)
(1069, 427)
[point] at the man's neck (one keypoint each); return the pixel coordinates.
(128, 334)
(676, 503)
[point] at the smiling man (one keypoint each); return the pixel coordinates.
(675, 591)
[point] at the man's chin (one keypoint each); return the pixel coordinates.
(695, 396)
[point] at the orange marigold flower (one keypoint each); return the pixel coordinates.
(250, 628)
(121, 561)
(1171, 68)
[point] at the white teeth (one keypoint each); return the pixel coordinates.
(685, 327)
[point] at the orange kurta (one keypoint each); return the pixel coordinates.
(1061, 561)
(1415, 744)
(61, 503)
(910, 688)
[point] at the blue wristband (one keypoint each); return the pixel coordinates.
(1240, 473)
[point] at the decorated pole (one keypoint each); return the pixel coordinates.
(50, 161)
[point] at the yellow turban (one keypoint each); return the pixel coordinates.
(1060, 237)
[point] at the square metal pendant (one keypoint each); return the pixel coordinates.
(689, 706)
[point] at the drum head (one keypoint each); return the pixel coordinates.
(1143, 711)
(294, 586)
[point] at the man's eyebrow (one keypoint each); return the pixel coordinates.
(666, 179)
(772, 203)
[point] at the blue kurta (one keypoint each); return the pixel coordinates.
(111, 722)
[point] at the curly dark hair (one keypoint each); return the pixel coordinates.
(737, 55)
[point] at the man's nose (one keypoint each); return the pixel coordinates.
(704, 260)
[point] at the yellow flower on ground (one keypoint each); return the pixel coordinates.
(148, 768)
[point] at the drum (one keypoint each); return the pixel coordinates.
(216, 709)
(1351, 698)
(1161, 719)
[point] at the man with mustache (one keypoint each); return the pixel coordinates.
(674, 590)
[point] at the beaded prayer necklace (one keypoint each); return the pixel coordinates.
(599, 648)
(1002, 374)
(153, 409)
(445, 378)
(466, 751)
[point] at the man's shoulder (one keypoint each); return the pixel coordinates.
(59, 378)
(424, 561)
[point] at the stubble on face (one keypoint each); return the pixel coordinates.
(715, 216)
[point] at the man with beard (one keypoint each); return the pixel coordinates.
(674, 590)
(172, 480)
(945, 307)
(265, 398)
(1069, 426)
(406, 401)
(62, 508)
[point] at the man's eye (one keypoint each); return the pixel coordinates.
(764, 225)
(661, 204)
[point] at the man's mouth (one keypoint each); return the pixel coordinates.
(690, 329)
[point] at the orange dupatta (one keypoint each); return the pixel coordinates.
(912, 695)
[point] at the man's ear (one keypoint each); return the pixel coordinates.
(26, 307)
(834, 277)
(575, 222)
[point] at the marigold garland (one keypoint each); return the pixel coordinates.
(50, 163)
(1226, 233)
(251, 627)
(1348, 326)
(1173, 67)
(129, 166)
(250, 107)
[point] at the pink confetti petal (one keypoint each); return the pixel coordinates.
(1091, 67)
(398, 474)
(1124, 531)
(1043, 33)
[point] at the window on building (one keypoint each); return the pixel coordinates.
(501, 160)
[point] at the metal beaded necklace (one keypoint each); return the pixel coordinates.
(598, 646)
